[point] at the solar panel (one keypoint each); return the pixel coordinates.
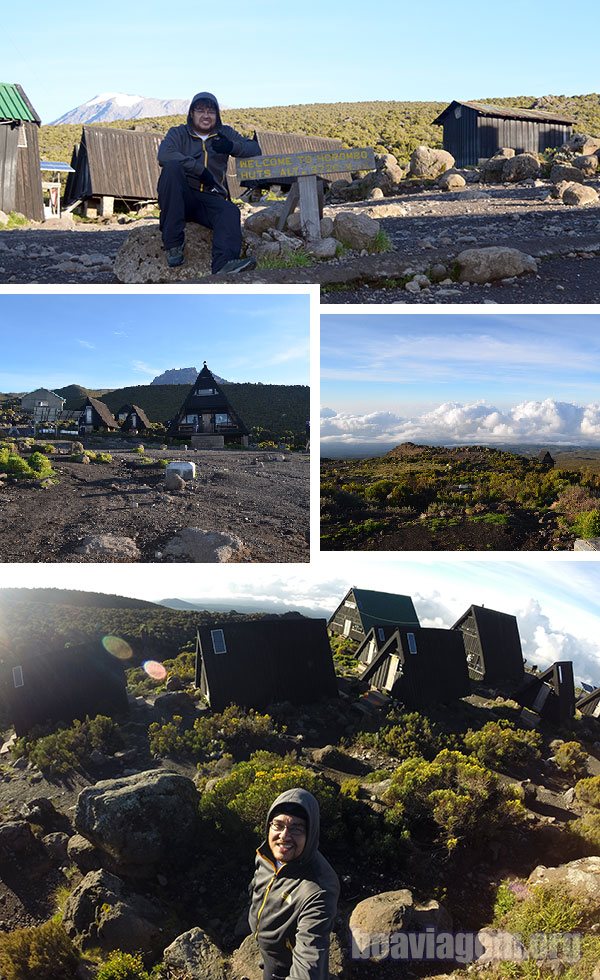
(57, 166)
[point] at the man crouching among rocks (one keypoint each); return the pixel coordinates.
(192, 184)
(294, 892)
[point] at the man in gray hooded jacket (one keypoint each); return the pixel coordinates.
(294, 892)
(192, 185)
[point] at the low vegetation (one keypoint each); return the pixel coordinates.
(235, 730)
(70, 747)
(42, 952)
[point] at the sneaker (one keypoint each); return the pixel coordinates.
(239, 265)
(175, 256)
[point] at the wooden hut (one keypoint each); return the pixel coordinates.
(206, 416)
(362, 609)
(492, 645)
(589, 703)
(474, 131)
(550, 694)
(271, 144)
(419, 666)
(61, 684)
(113, 164)
(20, 174)
(544, 457)
(44, 405)
(255, 663)
(135, 420)
(96, 416)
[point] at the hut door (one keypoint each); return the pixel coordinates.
(347, 627)
(392, 671)
(207, 422)
(540, 700)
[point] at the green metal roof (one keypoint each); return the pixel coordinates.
(382, 608)
(14, 104)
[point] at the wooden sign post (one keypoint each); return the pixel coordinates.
(305, 168)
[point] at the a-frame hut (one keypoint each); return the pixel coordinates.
(362, 609)
(589, 703)
(135, 420)
(492, 644)
(207, 417)
(545, 459)
(96, 416)
(550, 694)
(255, 663)
(113, 164)
(419, 666)
(20, 174)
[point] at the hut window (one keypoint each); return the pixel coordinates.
(458, 112)
(205, 391)
(380, 633)
(347, 627)
(351, 605)
(218, 641)
(190, 419)
(18, 677)
(88, 415)
(412, 642)
(221, 419)
(560, 677)
(22, 138)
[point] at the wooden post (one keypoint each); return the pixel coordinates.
(309, 209)
(290, 204)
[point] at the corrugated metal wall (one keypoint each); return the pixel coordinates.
(472, 136)
(29, 176)
(8, 167)
(121, 164)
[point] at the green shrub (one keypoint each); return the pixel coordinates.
(543, 910)
(505, 899)
(453, 799)
(38, 953)
(571, 759)
(587, 524)
(14, 465)
(139, 450)
(411, 735)
(40, 464)
(379, 490)
(588, 791)
(70, 747)
(501, 746)
(350, 788)
(587, 828)
(103, 458)
(124, 966)
(236, 730)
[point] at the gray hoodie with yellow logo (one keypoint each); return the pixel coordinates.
(293, 908)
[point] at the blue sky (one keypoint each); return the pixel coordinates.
(471, 377)
(556, 600)
(278, 54)
(115, 340)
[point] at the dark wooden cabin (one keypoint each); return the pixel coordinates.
(589, 703)
(418, 666)
(362, 609)
(272, 143)
(61, 684)
(492, 644)
(96, 416)
(550, 694)
(135, 420)
(545, 459)
(474, 131)
(255, 663)
(113, 164)
(20, 174)
(207, 411)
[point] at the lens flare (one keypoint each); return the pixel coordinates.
(118, 647)
(155, 670)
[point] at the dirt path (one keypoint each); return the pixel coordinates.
(262, 498)
(424, 227)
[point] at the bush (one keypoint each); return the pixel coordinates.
(587, 524)
(103, 458)
(588, 791)
(571, 759)
(587, 828)
(38, 953)
(412, 735)
(125, 966)
(453, 799)
(501, 746)
(40, 464)
(69, 748)
(235, 730)
(542, 910)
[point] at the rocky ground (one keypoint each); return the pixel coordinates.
(122, 511)
(426, 227)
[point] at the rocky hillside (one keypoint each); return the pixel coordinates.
(418, 497)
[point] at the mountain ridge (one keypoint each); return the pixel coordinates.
(114, 106)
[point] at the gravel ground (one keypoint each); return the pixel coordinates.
(259, 497)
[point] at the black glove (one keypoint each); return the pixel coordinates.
(222, 144)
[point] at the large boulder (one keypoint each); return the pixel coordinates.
(564, 171)
(385, 178)
(142, 257)
(263, 219)
(492, 263)
(582, 143)
(491, 170)
(246, 961)
(103, 913)
(375, 921)
(580, 879)
(425, 162)
(588, 164)
(451, 181)
(141, 820)
(523, 166)
(193, 544)
(579, 194)
(193, 955)
(357, 231)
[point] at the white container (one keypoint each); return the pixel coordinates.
(187, 471)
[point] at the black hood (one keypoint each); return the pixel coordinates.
(309, 804)
(209, 97)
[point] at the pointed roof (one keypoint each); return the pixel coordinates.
(103, 411)
(506, 112)
(208, 395)
(14, 104)
(143, 418)
(382, 608)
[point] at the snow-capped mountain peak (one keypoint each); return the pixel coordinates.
(112, 106)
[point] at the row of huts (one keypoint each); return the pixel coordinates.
(206, 413)
(259, 662)
(111, 164)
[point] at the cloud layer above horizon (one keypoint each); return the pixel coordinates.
(478, 422)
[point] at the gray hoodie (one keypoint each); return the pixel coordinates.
(182, 144)
(292, 909)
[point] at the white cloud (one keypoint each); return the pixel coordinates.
(142, 368)
(544, 643)
(531, 421)
(86, 343)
